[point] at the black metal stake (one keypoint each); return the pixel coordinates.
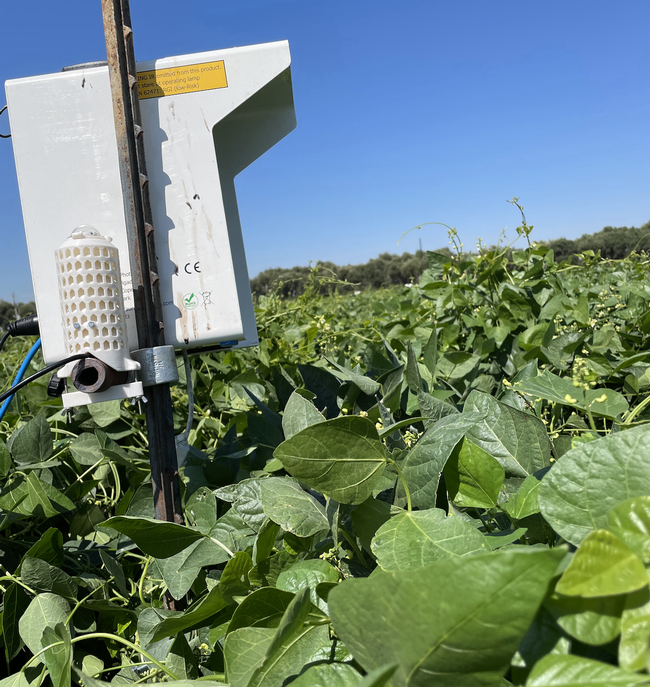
(142, 255)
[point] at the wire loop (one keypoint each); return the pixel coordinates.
(4, 135)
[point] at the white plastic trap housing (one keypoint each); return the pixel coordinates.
(205, 118)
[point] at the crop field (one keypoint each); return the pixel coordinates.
(444, 484)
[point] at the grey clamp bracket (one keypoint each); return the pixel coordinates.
(157, 365)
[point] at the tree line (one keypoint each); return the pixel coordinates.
(388, 270)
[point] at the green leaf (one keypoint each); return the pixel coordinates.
(575, 671)
(58, 658)
(244, 651)
(15, 605)
(308, 574)
(412, 540)
(246, 499)
(399, 616)
(524, 502)
(234, 579)
(589, 480)
(86, 449)
(299, 413)
(207, 607)
(115, 570)
(630, 522)
(329, 675)
(368, 517)
(288, 505)
(45, 610)
(595, 620)
(5, 460)
(181, 659)
(635, 631)
(43, 577)
(341, 458)
(560, 390)
(602, 566)
(32, 443)
(366, 385)
(105, 414)
(154, 537)
(48, 548)
(426, 460)
(518, 440)
(202, 509)
(265, 541)
(292, 644)
(263, 608)
(473, 477)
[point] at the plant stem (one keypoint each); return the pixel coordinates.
(409, 505)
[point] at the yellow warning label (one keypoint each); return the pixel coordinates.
(177, 80)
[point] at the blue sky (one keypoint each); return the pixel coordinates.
(408, 112)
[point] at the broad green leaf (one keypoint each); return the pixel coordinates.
(156, 538)
(180, 570)
(58, 658)
(412, 540)
(5, 460)
(86, 449)
(595, 620)
(434, 408)
(234, 579)
(299, 413)
(202, 509)
(575, 671)
(630, 522)
(602, 566)
(518, 440)
(16, 602)
(45, 610)
(524, 502)
(48, 548)
(16, 680)
(495, 540)
(265, 541)
(32, 443)
(635, 631)
(32, 496)
(589, 480)
(426, 460)
(473, 477)
(263, 608)
(244, 651)
(292, 644)
(308, 574)
(104, 414)
(246, 499)
(368, 386)
(368, 517)
(181, 659)
(329, 675)
(433, 621)
(43, 577)
(602, 402)
(288, 505)
(208, 606)
(114, 570)
(341, 458)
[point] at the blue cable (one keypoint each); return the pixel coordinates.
(19, 376)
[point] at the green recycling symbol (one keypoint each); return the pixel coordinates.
(190, 301)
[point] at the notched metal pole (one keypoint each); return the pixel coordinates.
(142, 254)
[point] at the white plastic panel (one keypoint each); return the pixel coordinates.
(65, 151)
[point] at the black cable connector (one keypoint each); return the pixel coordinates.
(26, 326)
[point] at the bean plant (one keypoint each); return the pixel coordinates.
(444, 484)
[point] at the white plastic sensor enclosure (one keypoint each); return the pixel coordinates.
(205, 118)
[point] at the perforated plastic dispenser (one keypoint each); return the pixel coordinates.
(92, 310)
(90, 293)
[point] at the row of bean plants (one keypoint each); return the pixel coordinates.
(445, 484)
